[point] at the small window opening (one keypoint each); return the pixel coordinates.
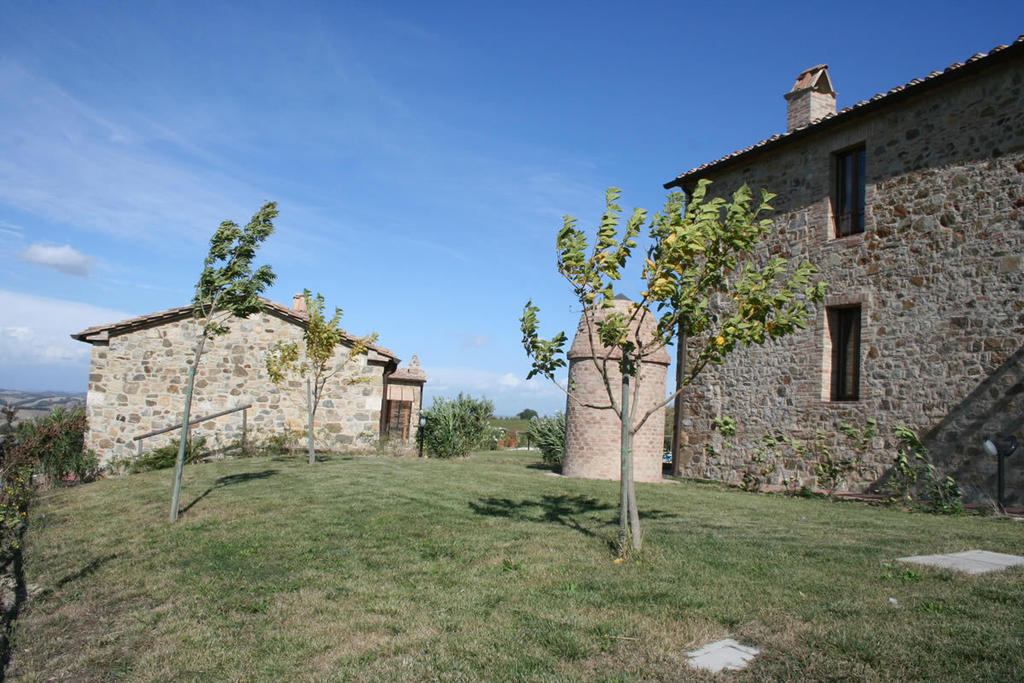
(844, 330)
(848, 200)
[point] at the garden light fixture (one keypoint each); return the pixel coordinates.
(1000, 447)
(423, 423)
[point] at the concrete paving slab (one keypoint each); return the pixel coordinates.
(969, 562)
(724, 655)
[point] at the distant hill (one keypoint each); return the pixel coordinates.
(31, 404)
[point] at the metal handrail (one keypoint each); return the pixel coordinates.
(197, 420)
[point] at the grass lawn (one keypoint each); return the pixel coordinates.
(378, 568)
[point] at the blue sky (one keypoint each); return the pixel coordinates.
(422, 154)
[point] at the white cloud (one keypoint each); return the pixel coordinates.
(36, 331)
(509, 381)
(64, 258)
(474, 341)
(10, 229)
(510, 392)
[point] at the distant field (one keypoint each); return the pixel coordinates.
(511, 423)
(33, 404)
(373, 568)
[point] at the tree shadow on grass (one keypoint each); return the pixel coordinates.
(229, 480)
(87, 569)
(564, 510)
(302, 456)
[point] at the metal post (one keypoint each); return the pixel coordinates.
(309, 407)
(1002, 482)
(1001, 448)
(138, 448)
(677, 423)
(245, 428)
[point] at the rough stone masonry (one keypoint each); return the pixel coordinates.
(138, 379)
(937, 272)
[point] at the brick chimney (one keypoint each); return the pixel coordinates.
(299, 303)
(811, 98)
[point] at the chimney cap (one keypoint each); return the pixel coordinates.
(814, 78)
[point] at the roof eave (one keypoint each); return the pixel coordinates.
(687, 181)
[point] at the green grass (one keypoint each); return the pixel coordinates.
(381, 568)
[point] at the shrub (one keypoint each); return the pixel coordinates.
(761, 464)
(7, 428)
(912, 472)
(549, 435)
(832, 470)
(165, 456)
(457, 426)
(15, 496)
(56, 443)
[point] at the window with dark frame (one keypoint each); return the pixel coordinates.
(849, 192)
(844, 329)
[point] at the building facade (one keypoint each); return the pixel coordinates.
(912, 206)
(138, 377)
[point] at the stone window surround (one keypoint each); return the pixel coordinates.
(865, 300)
(846, 143)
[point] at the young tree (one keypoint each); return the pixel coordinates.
(316, 361)
(712, 293)
(228, 287)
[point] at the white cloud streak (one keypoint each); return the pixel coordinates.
(64, 258)
(67, 162)
(11, 229)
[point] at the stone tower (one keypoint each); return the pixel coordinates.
(592, 435)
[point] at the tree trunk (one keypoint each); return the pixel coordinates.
(309, 406)
(677, 405)
(629, 517)
(179, 464)
(624, 472)
(634, 512)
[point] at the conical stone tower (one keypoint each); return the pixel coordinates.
(592, 435)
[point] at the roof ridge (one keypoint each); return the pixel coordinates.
(300, 317)
(953, 68)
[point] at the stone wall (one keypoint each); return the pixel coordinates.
(138, 379)
(937, 273)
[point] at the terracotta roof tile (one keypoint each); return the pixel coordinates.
(952, 71)
(171, 314)
(406, 375)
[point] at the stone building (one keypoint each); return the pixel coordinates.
(404, 401)
(138, 376)
(592, 434)
(912, 206)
